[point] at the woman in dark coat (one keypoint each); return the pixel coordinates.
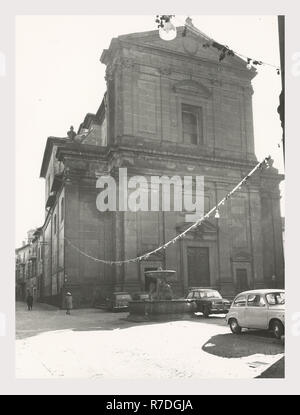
(69, 302)
(29, 301)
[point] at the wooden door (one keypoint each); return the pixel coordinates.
(198, 266)
(241, 280)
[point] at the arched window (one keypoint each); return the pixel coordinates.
(62, 209)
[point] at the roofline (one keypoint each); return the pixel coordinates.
(21, 247)
(262, 290)
(101, 110)
(137, 40)
(89, 116)
(47, 153)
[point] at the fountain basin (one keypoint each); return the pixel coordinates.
(161, 309)
(161, 304)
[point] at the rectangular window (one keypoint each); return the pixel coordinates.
(206, 204)
(255, 300)
(192, 124)
(240, 301)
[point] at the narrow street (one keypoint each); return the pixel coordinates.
(92, 343)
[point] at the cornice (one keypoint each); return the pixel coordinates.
(183, 156)
(86, 151)
(51, 141)
(181, 56)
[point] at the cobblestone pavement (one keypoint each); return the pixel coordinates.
(92, 343)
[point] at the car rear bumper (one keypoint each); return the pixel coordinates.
(219, 310)
(120, 308)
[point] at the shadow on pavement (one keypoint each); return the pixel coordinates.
(44, 318)
(274, 371)
(93, 328)
(246, 344)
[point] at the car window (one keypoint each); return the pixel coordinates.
(209, 294)
(255, 300)
(213, 294)
(276, 298)
(190, 295)
(240, 301)
(123, 297)
(196, 294)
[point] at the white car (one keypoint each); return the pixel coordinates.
(258, 309)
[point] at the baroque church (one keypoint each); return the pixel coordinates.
(171, 108)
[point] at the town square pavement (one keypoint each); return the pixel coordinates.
(92, 343)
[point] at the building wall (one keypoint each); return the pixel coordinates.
(146, 90)
(28, 270)
(146, 87)
(234, 241)
(90, 231)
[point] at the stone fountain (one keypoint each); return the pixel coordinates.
(161, 304)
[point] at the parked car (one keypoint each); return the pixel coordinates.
(258, 309)
(141, 296)
(208, 301)
(118, 301)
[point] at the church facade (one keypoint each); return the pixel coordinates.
(171, 108)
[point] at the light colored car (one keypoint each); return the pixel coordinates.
(258, 309)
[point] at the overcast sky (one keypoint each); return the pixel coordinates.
(59, 79)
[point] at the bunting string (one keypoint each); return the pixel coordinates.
(224, 50)
(260, 165)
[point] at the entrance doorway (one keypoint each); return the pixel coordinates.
(198, 266)
(241, 280)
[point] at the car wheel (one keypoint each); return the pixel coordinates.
(277, 329)
(206, 312)
(234, 326)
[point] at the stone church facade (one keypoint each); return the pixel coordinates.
(171, 108)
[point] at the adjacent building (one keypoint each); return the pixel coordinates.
(171, 108)
(29, 266)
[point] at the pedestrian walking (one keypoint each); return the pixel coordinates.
(69, 302)
(29, 301)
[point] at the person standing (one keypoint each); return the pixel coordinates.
(29, 301)
(69, 302)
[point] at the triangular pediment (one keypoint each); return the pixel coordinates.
(191, 87)
(206, 227)
(191, 45)
(241, 256)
